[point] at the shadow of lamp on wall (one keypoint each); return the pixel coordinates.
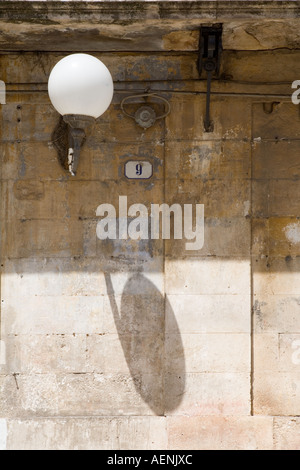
(155, 358)
(80, 88)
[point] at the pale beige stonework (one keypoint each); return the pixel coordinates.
(221, 433)
(286, 433)
(131, 433)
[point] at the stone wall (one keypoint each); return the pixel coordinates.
(142, 344)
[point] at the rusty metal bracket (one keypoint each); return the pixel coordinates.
(78, 127)
(68, 138)
(145, 116)
(210, 48)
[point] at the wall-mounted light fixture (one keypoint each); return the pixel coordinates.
(80, 88)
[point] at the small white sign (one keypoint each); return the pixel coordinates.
(138, 170)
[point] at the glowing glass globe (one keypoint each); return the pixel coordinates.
(80, 84)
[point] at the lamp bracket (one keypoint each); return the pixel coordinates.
(68, 138)
(210, 48)
(145, 116)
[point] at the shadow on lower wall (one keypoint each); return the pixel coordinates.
(155, 358)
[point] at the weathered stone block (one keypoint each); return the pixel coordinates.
(260, 198)
(27, 121)
(135, 283)
(277, 393)
(260, 66)
(207, 159)
(234, 239)
(107, 161)
(209, 394)
(115, 433)
(208, 353)
(266, 353)
(30, 160)
(205, 313)
(207, 276)
(114, 126)
(35, 68)
(44, 353)
(282, 123)
(289, 352)
(218, 201)
(284, 236)
(188, 114)
(284, 198)
(276, 198)
(277, 312)
(79, 395)
(286, 433)
(29, 190)
(220, 433)
(37, 238)
(120, 354)
(75, 199)
(278, 159)
(276, 236)
(61, 314)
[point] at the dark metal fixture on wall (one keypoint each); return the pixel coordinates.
(145, 116)
(210, 48)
